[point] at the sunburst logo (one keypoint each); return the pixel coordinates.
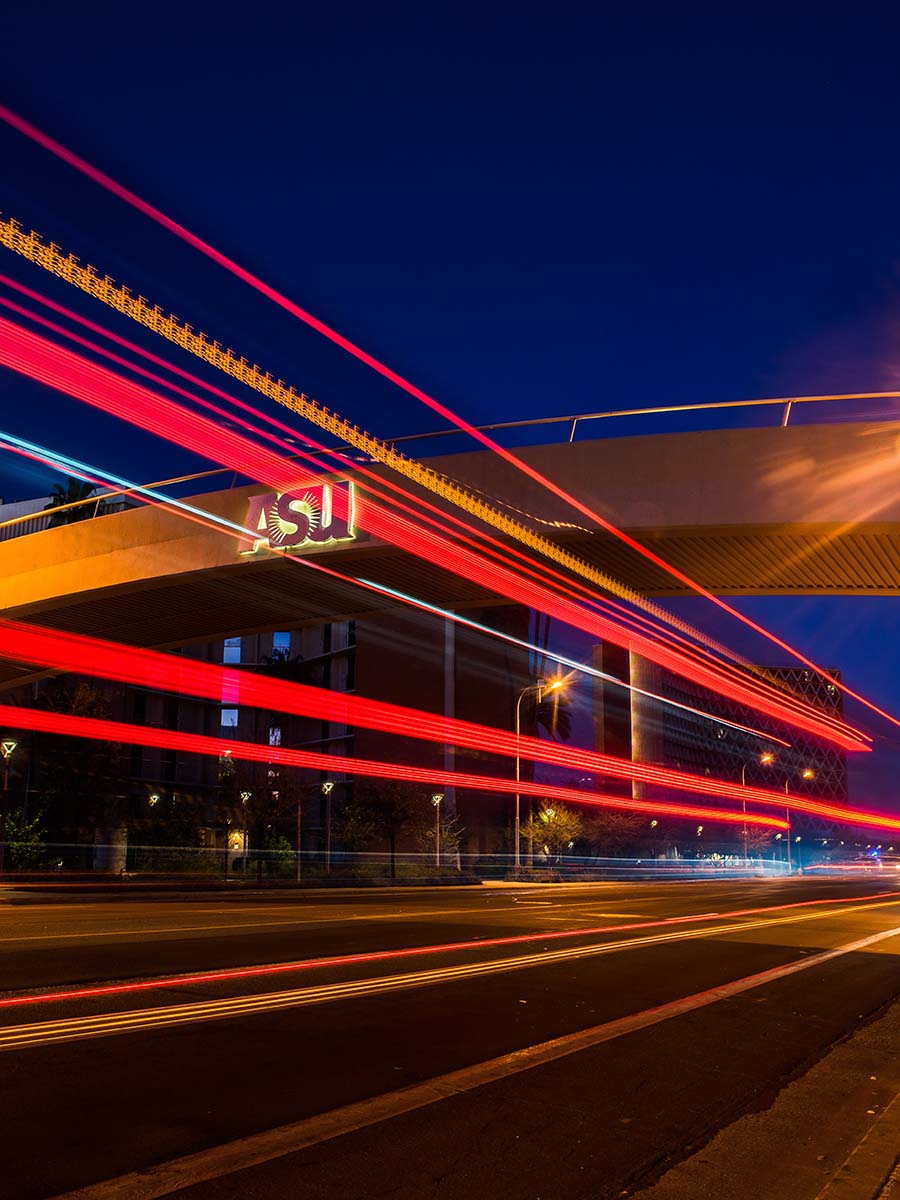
(284, 531)
(290, 521)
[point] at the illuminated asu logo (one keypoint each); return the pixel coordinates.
(315, 516)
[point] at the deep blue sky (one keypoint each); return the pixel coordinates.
(527, 211)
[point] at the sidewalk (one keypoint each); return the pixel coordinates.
(832, 1134)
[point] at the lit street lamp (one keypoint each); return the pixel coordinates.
(539, 689)
(766, 759)
(245, 796)
(807, 773)
(436, 801)
(327, 789)
(7, 748)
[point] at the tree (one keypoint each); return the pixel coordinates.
(759, 839)
(451, 833)
(79, 780)
(259, 798)
(280, 665)
(71, 492)
(609, 832)
(355, 825)
(25, 848)
(398, 811)
(553, 829)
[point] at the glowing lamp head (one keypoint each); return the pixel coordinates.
(437, 798)
(153, 799)
(767, 758)
(809, 773)
(7, 747)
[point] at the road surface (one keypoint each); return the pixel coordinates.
(502, 1041)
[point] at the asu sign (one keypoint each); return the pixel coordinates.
(314, 516)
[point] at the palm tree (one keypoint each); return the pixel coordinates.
(70, 493)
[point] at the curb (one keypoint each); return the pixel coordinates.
(865, 1173)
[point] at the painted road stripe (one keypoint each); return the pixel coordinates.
(45, 1033)
(300, 922)
(260, 1148)
(545, 934)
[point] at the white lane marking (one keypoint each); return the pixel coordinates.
(251, 1151)
(299, 922)
(43, 1033)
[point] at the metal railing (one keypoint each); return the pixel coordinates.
(573, 420)
(35, 522)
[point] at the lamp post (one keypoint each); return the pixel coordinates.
(327, 789)
(245, 796)
(744, 810)
(766, 759)
(7, 748)
(538, 688)
(807, 773)
(436, 801)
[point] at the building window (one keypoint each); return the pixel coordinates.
(232, 651)
(274, 735)
(281, 644)
(229, 718)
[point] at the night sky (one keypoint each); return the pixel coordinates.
(526, 211)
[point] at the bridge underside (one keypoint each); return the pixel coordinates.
(270, 593)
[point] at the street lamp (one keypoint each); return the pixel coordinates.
(245, 796)
(766, 759)
(7, 748)
(436, 801)
(327, 789)
(539, 689)
(807, 773)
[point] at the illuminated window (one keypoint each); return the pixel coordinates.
(232, 650)
(281, 643)
(274, 735)
(229, 718)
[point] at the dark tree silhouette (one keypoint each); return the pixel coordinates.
(70, 493)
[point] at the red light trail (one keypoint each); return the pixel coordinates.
(208, 520)
(347, 960)
(30, 354)
(150, 668)
(478, 539)
(131, 198)
(41, 721)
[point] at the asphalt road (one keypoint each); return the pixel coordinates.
(417, 1043)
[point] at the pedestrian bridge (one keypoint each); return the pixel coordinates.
(801, 510)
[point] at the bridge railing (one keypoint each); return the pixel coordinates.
(841, 407)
